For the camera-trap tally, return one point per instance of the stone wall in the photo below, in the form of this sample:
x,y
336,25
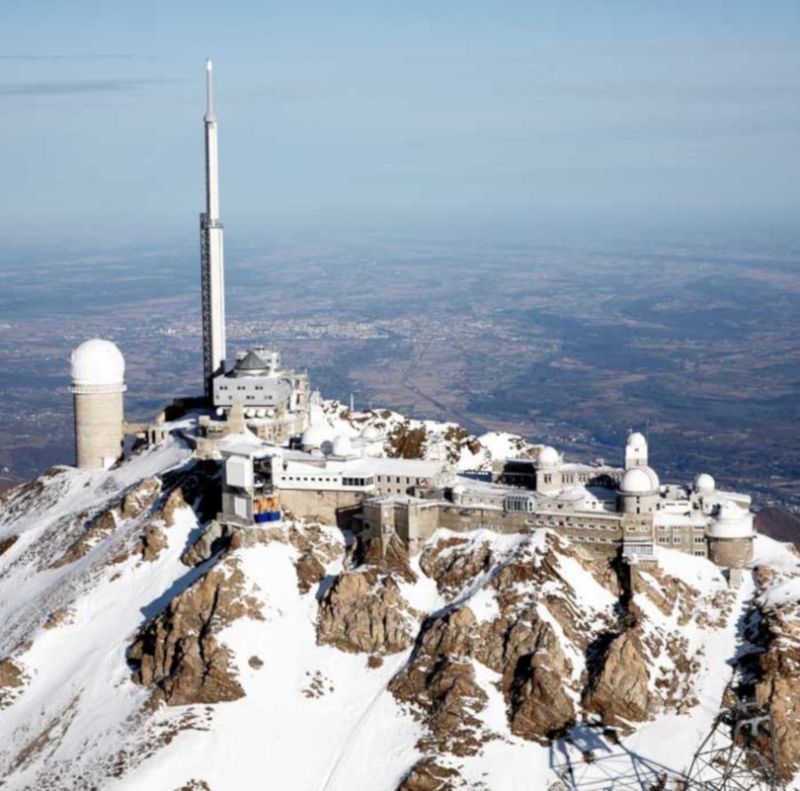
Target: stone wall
x,y
730,552
331,507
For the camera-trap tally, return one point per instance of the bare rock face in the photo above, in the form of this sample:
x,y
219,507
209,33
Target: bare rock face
x,y
539,706
427,775
454,562
393,559
215,538
619,691
178,652
140,498
309,571
151,542
362,611
6,543
98,528
439,683
779,686
11,679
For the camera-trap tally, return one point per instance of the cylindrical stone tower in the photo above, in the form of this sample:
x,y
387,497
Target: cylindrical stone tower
x,y
98,374
730,536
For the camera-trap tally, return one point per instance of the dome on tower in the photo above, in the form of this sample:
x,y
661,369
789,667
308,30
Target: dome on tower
x,y
704,483
548,457
731,521
636,438
639,480
97,362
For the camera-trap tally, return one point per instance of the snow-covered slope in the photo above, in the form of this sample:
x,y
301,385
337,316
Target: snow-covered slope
x,y
141,647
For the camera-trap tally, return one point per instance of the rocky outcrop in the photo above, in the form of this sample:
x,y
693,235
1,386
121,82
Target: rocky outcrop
x,y
178,653
455,562
11,680
427,775
140,498
363,611
214,539
98,528
310,571
619,691
439,683
778,684
389,558
6,543
539,707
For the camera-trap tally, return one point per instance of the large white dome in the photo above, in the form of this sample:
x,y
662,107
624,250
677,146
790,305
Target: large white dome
x,y
639,480
637,438
97,362
342,446
704,484
548,457
315,435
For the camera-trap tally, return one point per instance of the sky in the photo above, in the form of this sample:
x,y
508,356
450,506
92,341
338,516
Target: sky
x,y
416,118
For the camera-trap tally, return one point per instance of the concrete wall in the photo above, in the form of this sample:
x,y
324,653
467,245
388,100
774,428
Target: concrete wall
x,y
98,429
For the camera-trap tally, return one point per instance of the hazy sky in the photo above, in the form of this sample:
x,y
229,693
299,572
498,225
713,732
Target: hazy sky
x,y
409,117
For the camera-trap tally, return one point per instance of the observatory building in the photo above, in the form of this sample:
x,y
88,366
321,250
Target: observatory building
x,y
98,384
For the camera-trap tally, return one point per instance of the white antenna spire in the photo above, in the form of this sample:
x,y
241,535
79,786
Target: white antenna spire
x,y
209,92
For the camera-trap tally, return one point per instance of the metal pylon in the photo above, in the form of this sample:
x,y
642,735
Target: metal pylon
x,y
739,752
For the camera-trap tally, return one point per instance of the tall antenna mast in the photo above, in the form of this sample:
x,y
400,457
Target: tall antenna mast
x,y
212,260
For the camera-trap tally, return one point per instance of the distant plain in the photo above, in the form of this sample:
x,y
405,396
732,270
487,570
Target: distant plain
x,y
698,345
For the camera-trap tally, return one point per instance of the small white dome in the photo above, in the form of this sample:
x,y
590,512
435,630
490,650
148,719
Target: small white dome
x,y
342,446
97,362
371,433
704,484
458,489
639,480
548,457
315,435
637,438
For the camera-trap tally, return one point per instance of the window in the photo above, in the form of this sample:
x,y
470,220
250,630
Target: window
x,y
699,539
699,553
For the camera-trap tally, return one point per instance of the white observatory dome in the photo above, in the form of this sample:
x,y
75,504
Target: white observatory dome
x,y
731,522
704,484
548,457
315,435
342,446
639,480
458,489
636,438
97,362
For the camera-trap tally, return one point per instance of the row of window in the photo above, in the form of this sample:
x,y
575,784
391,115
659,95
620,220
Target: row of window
x,y
662,528
328,479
